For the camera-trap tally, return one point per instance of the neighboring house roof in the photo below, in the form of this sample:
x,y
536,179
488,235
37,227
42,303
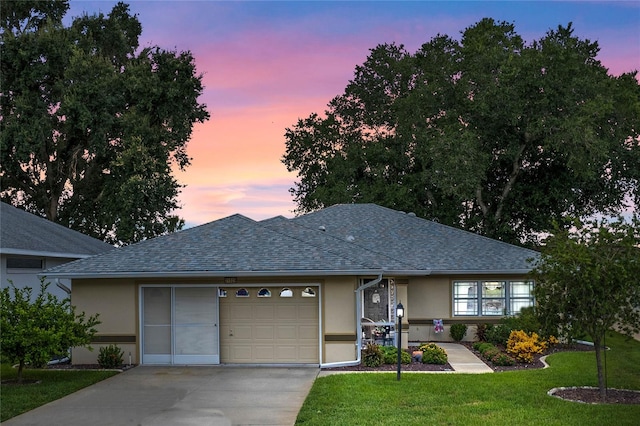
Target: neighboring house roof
x,y
23,233
355,239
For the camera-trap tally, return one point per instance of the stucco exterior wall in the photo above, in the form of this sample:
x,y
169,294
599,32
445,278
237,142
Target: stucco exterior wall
x,y
339,319
117,303
431,298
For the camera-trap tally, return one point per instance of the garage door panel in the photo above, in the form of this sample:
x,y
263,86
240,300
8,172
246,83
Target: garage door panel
x,y
307,313
282,329
241,353
307,332
263,311
287,332
308,353
263,332
241,311
287,353
287,312
242,331
264,353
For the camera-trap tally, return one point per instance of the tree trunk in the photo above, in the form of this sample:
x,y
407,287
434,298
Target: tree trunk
x,y
20,368
597,342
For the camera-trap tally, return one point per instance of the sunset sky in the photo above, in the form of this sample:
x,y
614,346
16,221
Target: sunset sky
x,y
266,64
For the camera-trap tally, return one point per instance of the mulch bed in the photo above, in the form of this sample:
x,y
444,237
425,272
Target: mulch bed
x,y
590,395
69,366
577,394
414,366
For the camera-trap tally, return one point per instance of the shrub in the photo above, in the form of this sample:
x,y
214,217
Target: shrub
x,y
433,354
498,334
458,331
35,330
502,360
523,345
110,357
372,356
493,354
526,320
390,355
481,332
476,345
482,347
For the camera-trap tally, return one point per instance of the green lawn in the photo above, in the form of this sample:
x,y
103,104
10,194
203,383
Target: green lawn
x,y
54,384
508,398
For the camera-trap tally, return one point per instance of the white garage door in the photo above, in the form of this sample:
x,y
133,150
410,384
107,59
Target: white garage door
x,y
269,325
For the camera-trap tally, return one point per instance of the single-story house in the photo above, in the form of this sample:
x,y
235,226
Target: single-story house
x,y
307,290
29,244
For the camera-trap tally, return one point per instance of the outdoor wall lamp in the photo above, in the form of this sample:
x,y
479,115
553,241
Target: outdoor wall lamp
x,y
400,314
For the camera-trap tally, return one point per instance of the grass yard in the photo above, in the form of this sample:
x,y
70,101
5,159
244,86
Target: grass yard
x,y
507,398
54,384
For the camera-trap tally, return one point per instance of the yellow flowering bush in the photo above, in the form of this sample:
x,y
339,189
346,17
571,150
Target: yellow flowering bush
x,y
523,346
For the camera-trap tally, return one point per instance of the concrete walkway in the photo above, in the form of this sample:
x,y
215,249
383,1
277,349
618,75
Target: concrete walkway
x,y
463,360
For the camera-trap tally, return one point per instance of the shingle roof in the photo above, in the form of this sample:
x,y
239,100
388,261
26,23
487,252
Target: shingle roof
x,y
355,239
27,234
232,245
425,245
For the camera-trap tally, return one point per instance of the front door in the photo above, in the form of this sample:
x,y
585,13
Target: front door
x,y
180,325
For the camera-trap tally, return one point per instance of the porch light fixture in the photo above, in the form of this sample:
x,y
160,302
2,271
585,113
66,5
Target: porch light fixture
x,y
400,314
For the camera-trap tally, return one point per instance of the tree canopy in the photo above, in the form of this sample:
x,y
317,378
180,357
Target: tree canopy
x,y
588,281
486,133
90,123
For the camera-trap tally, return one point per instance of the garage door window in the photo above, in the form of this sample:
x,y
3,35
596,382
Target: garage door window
x,y
242,292
264,292
286,292
308,292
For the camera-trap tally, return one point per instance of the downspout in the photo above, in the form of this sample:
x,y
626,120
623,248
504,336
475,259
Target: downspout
x,y
63,287
358,326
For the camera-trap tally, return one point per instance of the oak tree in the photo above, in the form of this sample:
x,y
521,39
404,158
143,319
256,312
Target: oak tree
x,y
91,124
486,133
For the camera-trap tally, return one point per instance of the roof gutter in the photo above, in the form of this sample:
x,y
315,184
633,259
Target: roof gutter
x,y
208,274
480,272
65,255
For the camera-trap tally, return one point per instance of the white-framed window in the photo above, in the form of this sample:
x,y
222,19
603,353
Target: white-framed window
x,y
491,297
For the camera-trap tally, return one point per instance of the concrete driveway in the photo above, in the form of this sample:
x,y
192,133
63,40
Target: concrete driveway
x,y
163,396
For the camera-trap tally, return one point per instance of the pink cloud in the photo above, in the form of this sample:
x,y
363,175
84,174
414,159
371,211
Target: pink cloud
x,y
258,201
